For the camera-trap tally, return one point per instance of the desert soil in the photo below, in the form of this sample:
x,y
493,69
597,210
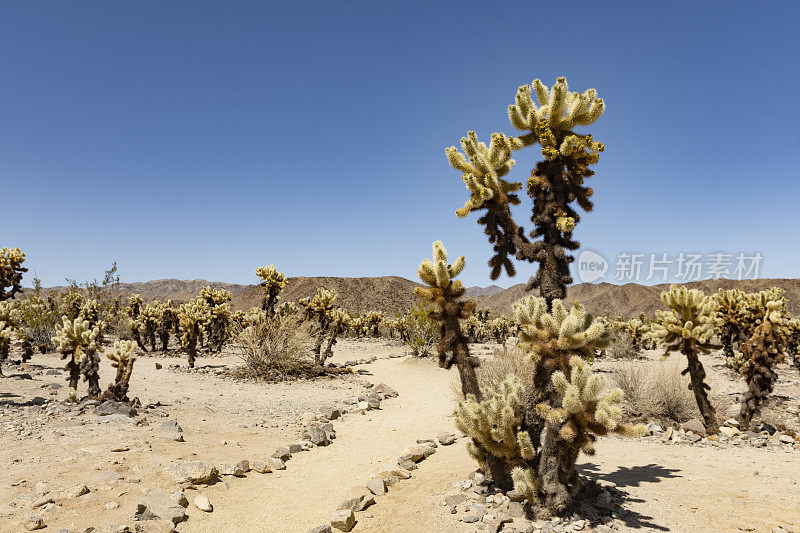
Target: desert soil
x,y
669,487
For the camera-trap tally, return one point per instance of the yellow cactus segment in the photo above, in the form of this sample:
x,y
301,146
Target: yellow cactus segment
x,y
270,277
558,106
495,423
440,274
122,354
527,483
74,337
483,168
690,317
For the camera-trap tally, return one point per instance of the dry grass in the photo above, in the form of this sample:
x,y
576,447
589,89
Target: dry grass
x,y
280,346
507,360
655,391
623,347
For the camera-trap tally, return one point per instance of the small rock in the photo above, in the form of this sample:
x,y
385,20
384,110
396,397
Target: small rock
x,y
282,453
295,447
276,464
76,491
111,505
120,448
33,522
786,439
332,414
262,467
171,425
158,504
343,520
110,407
694,426
326,528
377,486
202,503
446,439
192,471
729,431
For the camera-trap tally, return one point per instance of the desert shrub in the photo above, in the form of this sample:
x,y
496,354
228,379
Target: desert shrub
x,y
655,392
38,320
276,346
422,330
623,347
509,360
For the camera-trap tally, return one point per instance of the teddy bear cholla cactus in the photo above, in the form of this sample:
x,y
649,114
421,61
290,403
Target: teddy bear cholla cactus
x,y
221,315
318,308
11,271
760,355
688,326
340,320
76,340
444,291
554,185
272,283
563,416
122,359
193,319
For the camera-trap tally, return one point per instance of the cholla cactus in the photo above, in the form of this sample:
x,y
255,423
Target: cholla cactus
x,y
554,338
134,310
554,185
730,307
340,320
761,354
474,328
318,308
168,322
495,424
687,326
501,327
286,309
220,309
148,322
373,320
636,328
122,359
444,291
8,328
76,340
193,319
11,271
272,284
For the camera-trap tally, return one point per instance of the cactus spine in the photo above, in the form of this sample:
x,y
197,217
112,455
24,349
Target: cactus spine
x,y
272,284
687,326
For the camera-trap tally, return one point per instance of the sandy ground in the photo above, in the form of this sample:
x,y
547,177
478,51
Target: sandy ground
x,y
669,487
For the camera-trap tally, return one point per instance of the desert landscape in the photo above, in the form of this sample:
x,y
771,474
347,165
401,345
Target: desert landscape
x,y
396,267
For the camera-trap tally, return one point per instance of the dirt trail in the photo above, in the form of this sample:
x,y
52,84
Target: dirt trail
x,y
670,487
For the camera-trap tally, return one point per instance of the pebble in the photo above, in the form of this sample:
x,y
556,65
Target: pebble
x,y
202,503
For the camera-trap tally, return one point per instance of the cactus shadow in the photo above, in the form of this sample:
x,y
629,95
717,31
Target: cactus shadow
x,y
632,476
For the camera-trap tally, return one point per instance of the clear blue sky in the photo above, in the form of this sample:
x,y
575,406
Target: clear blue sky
x,y
196,139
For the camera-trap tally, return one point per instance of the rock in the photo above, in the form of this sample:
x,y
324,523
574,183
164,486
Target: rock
x,y
111,505
316,435
729,431
262,467
455,499
515,496
76,492
385,390
276,464
173,436
374,403
693,437
202,503
377,486
159,366
119,448
357,499
33,522
110,407
446,439
171,425
192,472
363,406
427,442
282,453
307,418
786,439
668,434
769,428
343,520
295,447
654,428
694,426
321,529
413,453
180,498
408,464
41,502
158,504
732,422
154,526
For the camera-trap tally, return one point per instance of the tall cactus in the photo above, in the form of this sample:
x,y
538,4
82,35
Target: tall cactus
x,y
687,326
318,308
9,314
11,271
221,314
76,340
761,353
340,320
445,292
272,284
168,322
193,319
555,183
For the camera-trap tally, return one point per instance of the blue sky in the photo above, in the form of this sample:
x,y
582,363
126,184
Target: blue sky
x,y
203,139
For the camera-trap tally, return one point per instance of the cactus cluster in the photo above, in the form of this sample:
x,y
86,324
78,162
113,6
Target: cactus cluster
x,y
221,316
11,271
8,328
272,284
318,309
122,358
193,318
76,340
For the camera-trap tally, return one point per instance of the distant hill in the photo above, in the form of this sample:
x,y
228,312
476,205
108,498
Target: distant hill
x,y
482,292
395,294
386,293
631,299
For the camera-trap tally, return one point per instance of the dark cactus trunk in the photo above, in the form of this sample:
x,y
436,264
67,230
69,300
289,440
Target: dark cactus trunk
x,y
697,376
